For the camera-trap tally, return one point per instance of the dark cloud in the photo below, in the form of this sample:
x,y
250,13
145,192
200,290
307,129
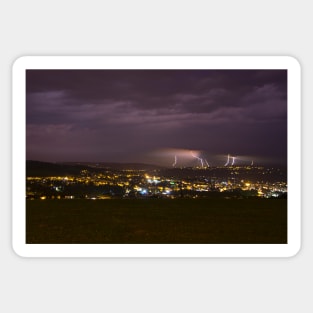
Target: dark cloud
x,y
122,115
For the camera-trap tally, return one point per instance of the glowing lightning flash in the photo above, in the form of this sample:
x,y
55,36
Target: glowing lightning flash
x,y
175,162
227,161
233,161
207,164
201,161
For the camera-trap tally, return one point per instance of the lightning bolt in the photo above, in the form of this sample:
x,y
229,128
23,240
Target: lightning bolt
x,y
233,162
175,161
201,160
227,161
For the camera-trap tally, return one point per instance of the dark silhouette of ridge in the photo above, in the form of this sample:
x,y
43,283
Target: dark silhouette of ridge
x,y
39,168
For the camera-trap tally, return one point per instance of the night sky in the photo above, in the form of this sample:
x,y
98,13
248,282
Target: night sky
x,y
151,116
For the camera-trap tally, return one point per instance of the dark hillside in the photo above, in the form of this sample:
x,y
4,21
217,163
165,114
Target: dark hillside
x,y
42,169
261,221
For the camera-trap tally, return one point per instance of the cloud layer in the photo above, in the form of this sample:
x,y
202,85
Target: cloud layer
x,y
123,115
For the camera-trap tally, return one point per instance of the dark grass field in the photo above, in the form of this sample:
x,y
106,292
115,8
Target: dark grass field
x,y
213,221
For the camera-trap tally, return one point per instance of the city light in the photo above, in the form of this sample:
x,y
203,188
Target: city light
x,y
230,181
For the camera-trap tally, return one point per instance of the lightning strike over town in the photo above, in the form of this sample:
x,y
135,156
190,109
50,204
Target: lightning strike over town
x,y
156,156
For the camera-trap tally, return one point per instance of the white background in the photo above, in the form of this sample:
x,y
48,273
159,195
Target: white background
x,y
155,28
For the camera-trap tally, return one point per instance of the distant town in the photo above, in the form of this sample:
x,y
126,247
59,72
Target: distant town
x,y
134,181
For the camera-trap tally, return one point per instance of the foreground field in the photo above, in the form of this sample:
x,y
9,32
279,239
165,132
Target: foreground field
x,y
156,221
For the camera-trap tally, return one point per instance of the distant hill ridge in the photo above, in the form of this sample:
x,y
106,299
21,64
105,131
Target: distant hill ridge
x,y
39,168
